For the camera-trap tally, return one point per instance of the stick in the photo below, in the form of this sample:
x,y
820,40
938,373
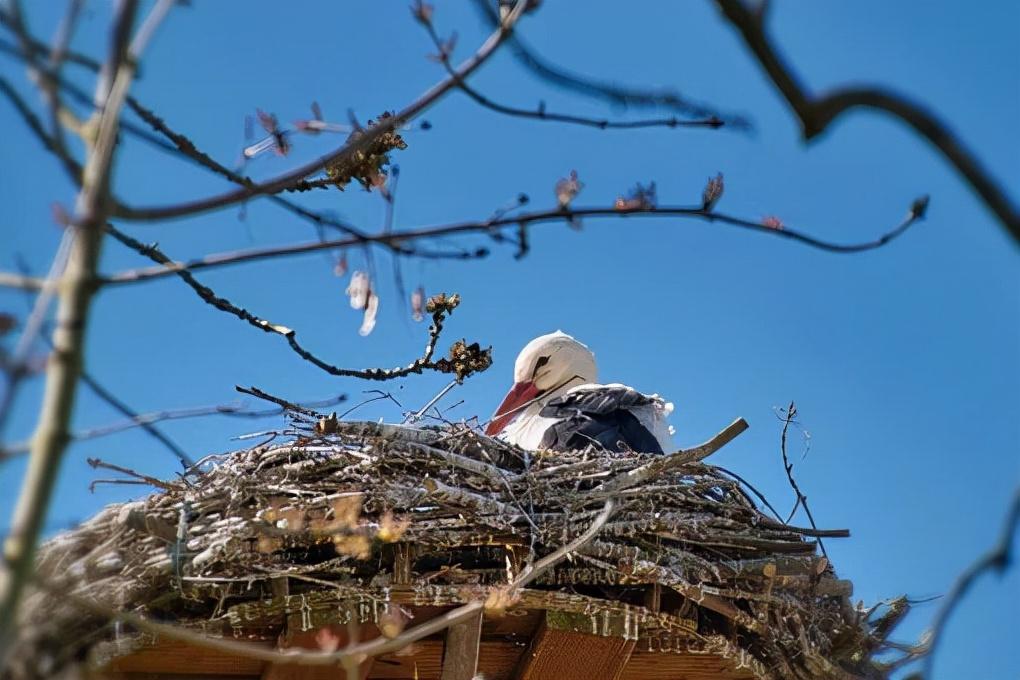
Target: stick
x,y
670,462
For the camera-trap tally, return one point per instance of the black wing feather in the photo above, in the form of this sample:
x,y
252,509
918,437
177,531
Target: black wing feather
x,y
600,416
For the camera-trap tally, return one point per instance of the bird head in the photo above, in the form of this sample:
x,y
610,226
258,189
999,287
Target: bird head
x,y
547,366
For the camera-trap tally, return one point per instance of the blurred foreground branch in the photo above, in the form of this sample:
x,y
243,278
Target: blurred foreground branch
x,y
817,113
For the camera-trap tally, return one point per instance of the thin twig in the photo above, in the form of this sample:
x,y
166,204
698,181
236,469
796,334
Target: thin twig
x,y
35,323
71,166
143,419
112,400
791,414
96,463
616,94
540,113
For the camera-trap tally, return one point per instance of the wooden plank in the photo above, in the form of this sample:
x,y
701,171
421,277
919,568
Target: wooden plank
x,y
423,661
338,634
460,653
644,665
560,652
171,657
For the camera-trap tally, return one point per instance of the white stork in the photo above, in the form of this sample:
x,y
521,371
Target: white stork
x,y
555,404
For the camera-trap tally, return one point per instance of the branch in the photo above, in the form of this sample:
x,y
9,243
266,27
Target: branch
x,y
555,215
541,114
186,148
615,94
998,559
46,77
663,464
817,113
51,435
110,398
40,49
144,419
477,362
71,166
35,324
343,154
791,414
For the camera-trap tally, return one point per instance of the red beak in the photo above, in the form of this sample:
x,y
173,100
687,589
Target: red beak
x,y
519,395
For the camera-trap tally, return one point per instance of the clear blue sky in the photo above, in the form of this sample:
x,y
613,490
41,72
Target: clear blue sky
x,y
904,361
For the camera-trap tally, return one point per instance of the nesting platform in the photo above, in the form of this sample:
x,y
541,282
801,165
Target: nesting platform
x,y
348,532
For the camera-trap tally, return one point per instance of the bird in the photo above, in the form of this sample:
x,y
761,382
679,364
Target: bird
x,y
555,404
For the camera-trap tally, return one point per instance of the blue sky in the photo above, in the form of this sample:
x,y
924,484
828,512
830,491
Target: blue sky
x,y
904,361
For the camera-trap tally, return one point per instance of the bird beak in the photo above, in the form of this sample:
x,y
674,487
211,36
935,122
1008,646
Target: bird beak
x,y
519,395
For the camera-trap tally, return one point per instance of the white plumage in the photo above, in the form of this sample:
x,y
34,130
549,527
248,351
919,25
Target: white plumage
x,y
555,403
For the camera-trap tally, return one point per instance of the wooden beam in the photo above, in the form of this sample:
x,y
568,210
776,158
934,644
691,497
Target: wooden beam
x,y
460,653
179,658
559,651
338,634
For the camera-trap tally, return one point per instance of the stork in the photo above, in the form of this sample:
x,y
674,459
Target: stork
x,y
555,404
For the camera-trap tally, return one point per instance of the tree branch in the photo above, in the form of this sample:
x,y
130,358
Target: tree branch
x,y
345,152
791,414
489,226
51,436
998,559
615,94
144,419
710,121
817,113
423,363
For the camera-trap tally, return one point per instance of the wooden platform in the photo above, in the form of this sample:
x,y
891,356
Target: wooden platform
x,y
520,645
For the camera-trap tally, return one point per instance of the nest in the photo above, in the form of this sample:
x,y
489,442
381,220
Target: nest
x,y
363,517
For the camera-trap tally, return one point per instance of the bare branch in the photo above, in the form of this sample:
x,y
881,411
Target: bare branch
x,y
817,113
423,363
51,436
663,464
345,152
613,93
71,166
541,114
189,150
110,398
490,226
998,559
234,410
38,48
19,359
789,417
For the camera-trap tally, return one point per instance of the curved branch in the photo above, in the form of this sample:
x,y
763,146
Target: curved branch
x,y
817,113
614,93
997,559
710,121
426,362
490,226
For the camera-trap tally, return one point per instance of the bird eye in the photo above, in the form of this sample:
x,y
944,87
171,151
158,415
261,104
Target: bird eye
x,y
542,361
